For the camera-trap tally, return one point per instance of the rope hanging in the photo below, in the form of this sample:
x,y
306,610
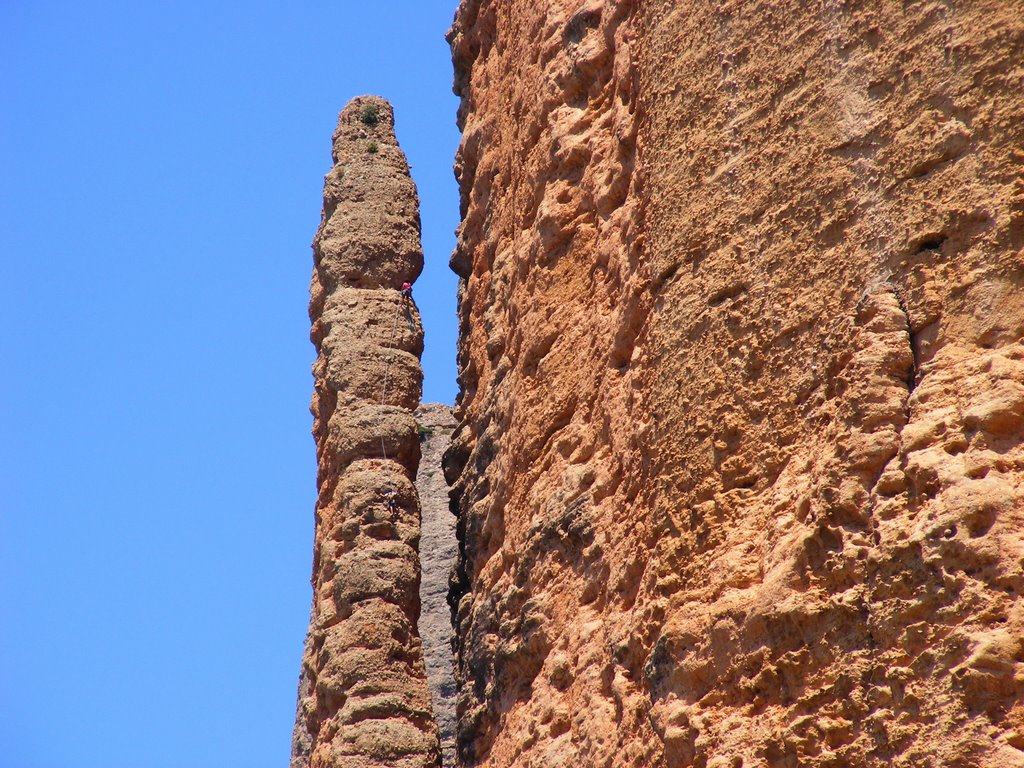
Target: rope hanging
x,y
387,372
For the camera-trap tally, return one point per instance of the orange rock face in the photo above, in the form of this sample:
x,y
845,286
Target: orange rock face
x,y
363,698
739,464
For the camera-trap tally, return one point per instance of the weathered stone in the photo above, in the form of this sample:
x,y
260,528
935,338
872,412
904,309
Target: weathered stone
x,y
370,317
438,552
363,698
369,236
739,465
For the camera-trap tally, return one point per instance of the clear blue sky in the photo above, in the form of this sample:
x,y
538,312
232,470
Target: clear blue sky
x,y
160,184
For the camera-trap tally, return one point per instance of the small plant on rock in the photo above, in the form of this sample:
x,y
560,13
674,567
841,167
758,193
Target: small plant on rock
x,y
372,148
370,114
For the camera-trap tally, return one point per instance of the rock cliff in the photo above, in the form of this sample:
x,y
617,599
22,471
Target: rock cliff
x,y
363,698
437,559
738,468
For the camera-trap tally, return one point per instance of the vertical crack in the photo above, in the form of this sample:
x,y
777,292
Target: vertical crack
x,y
915,351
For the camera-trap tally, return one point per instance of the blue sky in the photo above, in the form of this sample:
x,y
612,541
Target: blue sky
x,y
160,184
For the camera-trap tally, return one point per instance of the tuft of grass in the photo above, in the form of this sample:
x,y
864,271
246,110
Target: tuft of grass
x,y
370,114
372,148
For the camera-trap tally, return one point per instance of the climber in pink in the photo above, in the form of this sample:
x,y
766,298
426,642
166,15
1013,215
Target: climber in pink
x,y
406,291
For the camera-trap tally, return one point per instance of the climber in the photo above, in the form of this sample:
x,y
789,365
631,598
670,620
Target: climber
x,y
406,292
391,499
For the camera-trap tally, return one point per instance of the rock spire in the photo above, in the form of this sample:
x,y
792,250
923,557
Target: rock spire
x,y
363,698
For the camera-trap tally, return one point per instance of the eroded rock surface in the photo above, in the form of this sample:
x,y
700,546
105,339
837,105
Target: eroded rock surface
x,y
438,552
363,698
739,467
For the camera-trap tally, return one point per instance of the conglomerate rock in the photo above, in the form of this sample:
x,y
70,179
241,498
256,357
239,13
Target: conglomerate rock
x,y
438,552
363,698
739,468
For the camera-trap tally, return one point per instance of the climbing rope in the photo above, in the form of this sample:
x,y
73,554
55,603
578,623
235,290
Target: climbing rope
x,y
387,372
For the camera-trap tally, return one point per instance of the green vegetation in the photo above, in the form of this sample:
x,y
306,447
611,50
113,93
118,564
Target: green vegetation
x,y
424,432
372,148
370,114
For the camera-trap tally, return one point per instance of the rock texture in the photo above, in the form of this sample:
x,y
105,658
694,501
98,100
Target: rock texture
x,y
437,560
363,698
739,469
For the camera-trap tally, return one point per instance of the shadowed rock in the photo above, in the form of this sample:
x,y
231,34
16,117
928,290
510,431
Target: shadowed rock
x,y
438,553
